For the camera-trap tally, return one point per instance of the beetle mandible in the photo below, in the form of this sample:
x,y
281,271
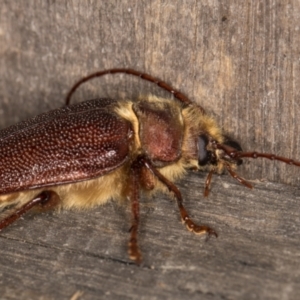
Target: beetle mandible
x,y
67,157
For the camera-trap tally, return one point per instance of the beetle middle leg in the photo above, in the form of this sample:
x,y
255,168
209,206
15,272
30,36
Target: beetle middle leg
x,y
44,200
133,194
190,224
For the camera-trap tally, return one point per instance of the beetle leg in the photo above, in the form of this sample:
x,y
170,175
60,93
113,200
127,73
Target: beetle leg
x,y
45,200
207,182
191,226
133,251
238,178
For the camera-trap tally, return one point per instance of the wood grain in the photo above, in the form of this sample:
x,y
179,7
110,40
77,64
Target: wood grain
x,y
240,61
256,256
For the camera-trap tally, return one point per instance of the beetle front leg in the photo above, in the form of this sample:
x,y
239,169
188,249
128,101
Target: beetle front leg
x,y
44,200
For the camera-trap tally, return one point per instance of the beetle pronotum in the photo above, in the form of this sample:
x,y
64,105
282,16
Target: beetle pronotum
x,y
68,157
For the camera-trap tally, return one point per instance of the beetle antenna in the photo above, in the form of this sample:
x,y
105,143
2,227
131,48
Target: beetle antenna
x,y
236,155
268,156
178,95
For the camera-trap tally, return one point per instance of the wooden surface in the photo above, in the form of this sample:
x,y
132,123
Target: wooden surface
x,y
256,256
240,61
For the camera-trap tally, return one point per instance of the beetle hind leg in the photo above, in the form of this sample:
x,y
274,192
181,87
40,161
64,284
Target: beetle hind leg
x,y
44,200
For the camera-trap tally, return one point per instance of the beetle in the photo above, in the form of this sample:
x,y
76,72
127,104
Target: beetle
x,y
85,154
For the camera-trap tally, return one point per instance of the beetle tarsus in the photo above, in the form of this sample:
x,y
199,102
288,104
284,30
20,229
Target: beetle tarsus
x,y
133,251
199,229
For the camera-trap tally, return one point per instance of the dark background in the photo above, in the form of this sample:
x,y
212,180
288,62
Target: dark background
x,y
240,60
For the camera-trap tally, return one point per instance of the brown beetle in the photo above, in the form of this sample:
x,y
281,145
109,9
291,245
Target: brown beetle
x,y
67,157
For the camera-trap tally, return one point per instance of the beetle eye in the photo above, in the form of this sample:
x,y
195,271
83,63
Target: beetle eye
x,y
203,154
233,144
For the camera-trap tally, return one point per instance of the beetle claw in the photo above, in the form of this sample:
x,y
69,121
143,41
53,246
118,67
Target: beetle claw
x,y
134,252
199,229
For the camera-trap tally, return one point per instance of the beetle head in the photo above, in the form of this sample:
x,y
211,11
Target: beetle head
x,y
219,156
210,152
228,155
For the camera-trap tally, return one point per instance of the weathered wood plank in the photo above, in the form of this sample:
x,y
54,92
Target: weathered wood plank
x,y
51,256
238,59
